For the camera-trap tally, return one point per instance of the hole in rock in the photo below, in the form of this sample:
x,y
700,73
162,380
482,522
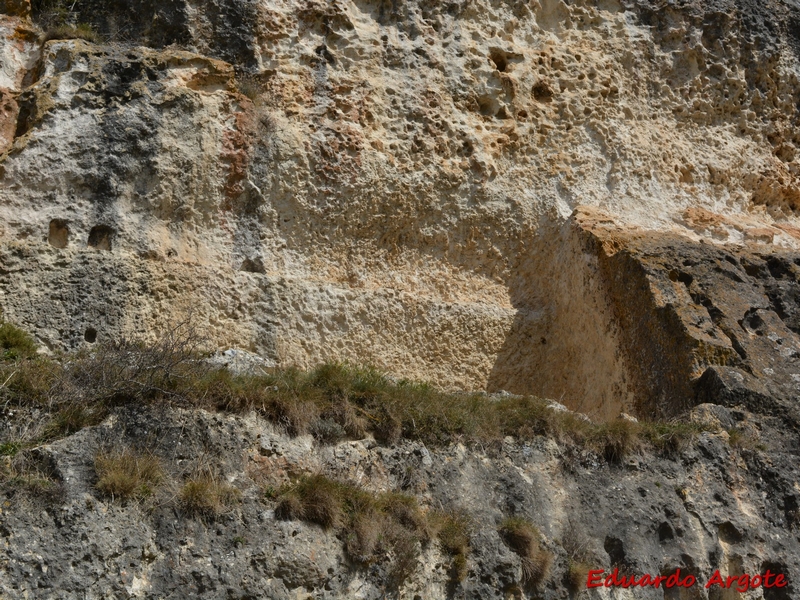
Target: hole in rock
x,y
252,266
616,552
90,335
681,277
58,237
778,268
729,534
542,92
100,237
775,593
665,532
488,105
503,113
499,59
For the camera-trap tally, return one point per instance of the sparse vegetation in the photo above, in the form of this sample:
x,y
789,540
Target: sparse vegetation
x,y
373,526
60,20
9,449
577,574
523,537
78,31
250,86
453,529
22,473
125,474
15,344
71,419
334,401
576,544
205,495
743,439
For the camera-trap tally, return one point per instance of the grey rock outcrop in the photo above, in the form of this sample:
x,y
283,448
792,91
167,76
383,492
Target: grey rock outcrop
x,y
708,507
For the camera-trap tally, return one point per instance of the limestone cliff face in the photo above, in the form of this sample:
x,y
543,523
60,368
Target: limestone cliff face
x,y
589,200
423,186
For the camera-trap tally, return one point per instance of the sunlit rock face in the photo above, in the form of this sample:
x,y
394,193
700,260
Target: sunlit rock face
x,y
539,197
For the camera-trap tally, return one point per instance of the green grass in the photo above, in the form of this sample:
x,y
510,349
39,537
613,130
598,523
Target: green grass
x,y
10,448
15,344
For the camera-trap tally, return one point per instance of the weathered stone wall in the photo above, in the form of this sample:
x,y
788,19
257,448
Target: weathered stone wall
x,y
397,187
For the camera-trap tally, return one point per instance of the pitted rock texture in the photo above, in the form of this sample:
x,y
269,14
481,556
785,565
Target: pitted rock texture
x,y
708,507
395,186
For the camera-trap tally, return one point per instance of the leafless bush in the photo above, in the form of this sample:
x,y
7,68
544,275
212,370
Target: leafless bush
x,y
127,370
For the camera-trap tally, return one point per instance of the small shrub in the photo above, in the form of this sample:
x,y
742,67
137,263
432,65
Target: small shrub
x,y
203,495
523,538
127,474
15,344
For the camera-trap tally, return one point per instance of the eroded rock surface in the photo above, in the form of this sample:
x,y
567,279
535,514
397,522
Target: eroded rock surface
x,y
395,185
708,507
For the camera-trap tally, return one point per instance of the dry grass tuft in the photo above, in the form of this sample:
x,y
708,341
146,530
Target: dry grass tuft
x,y
744,439
79,31
71,419
453,529
204,495
577,545
24,474
125,474
577,575
250,86
374,527
617,439
524,539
